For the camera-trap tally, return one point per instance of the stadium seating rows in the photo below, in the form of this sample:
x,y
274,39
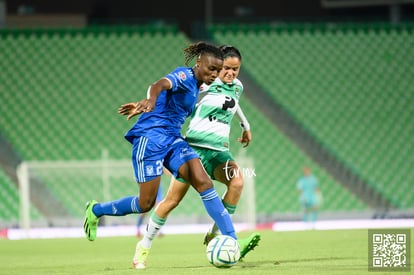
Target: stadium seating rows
x,y
351,85
62,89
9,208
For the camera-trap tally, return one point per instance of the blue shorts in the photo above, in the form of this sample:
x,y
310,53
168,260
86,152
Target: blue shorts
x,y
150,156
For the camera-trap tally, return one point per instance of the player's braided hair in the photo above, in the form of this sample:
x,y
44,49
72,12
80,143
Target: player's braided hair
x,y
230,51
200,48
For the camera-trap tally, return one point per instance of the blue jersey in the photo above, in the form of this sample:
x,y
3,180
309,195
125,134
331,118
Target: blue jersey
x,y
172,107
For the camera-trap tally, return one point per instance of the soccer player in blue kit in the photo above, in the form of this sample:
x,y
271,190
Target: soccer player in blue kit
x,y
157,142
210,139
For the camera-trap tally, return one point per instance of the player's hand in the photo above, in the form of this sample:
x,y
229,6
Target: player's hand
x,y
246,138
127,108
132,109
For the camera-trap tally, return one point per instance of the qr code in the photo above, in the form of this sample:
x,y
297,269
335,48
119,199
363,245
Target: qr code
x,y
389,250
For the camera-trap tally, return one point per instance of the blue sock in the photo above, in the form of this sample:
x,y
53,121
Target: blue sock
x,y
217,212
140,220
121,207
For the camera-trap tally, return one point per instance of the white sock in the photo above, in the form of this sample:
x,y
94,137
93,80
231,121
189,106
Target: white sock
x,y
150,233
214,229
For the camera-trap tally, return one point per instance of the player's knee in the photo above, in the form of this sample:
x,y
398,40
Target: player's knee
x,y
236,184
202,184
146,205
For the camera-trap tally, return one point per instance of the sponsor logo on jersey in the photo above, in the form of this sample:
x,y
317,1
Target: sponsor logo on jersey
x,y
182,76
237,91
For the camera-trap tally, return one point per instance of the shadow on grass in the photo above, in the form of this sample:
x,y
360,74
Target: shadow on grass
x,y
315,259
281,262
275,263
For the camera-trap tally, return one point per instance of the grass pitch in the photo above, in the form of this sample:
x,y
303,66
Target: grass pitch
x,y
299,252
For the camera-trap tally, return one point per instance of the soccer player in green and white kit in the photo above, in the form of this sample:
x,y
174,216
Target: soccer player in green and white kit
x,y
208,134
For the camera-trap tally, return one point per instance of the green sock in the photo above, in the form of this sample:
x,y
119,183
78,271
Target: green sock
x,y
230,207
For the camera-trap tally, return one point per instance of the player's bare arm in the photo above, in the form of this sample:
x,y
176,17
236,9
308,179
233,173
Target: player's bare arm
x,y
145,105
246,134
245,138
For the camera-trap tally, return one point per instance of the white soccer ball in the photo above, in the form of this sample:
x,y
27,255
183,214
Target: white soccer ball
x,y
223,251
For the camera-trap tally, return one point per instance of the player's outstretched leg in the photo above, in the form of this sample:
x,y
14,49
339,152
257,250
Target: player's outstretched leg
x,y
208,237
140,258
248,244
90,224
214,231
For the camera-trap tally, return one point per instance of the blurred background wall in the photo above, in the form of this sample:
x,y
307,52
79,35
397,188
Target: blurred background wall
x,y
192,16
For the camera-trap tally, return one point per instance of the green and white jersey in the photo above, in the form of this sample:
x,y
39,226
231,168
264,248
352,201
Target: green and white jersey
x,y
210,122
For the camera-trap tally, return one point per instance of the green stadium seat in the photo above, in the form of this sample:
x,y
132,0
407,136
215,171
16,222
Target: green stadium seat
x,y
338,82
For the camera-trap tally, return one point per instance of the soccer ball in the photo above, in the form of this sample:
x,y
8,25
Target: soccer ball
x,y
223,251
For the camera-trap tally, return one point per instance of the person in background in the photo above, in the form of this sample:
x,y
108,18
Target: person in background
x,y
309,196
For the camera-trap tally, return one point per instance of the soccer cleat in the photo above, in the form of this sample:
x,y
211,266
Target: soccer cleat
x,y
91,221
248,244
208,237
140,258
